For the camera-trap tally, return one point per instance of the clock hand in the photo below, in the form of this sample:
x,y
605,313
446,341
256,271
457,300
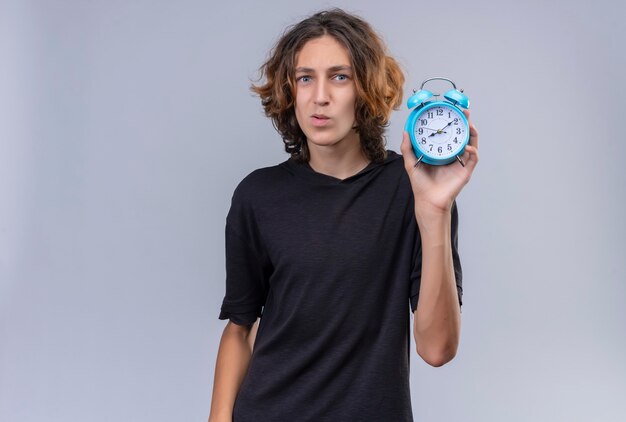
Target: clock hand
x,y
446,125
439,131
434,131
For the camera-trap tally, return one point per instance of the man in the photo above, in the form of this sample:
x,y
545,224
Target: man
x,y
329,246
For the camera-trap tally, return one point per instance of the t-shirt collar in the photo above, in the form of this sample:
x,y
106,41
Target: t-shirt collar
x,y
306,171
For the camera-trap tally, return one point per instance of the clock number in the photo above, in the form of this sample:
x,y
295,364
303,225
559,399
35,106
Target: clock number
x,y
440,112
431,147
458,130
423,140
456,120
456,141
440,150
449,115
430,114
420,131
449,147
423,122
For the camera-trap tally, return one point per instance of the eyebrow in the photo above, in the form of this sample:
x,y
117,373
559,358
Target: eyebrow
x,y
330,69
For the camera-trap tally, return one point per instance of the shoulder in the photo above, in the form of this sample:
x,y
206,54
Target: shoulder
x,y
395,166
394,162
256,184
398,164
261,177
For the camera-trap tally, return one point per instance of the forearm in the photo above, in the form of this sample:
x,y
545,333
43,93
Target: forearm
x,y
438,314
233,358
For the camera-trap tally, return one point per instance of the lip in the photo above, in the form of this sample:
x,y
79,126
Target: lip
x,y
319,120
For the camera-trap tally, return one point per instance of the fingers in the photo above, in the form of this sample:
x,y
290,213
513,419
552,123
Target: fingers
x,y
473,131
473,140
470,154
470,157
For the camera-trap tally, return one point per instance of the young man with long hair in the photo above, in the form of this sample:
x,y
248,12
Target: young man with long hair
x,y
334,247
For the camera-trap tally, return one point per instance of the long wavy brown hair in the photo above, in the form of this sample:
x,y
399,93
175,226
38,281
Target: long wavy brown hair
x,y
377,76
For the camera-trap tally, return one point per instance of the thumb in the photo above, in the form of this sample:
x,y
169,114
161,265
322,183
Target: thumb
x,y
406,148
408,155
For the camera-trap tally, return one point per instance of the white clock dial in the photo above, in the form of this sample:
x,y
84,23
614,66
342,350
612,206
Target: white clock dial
x,y
440,131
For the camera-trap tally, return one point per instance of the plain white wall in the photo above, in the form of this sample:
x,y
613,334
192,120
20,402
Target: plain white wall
x,y
125,126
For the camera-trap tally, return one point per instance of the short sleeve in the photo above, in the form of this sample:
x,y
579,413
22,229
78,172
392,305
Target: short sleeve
x,y
416,273
247,267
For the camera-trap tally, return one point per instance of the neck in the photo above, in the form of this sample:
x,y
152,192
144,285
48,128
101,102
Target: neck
x,y
341,160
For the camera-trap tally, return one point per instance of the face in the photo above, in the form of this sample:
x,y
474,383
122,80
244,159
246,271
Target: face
x,y
325,93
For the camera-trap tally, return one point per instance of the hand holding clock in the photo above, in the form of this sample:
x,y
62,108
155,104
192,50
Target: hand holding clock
x,y
436,186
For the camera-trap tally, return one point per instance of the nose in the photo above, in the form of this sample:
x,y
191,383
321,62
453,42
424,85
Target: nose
x,y
322,95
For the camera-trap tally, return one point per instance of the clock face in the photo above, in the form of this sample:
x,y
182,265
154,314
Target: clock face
x,y
440,131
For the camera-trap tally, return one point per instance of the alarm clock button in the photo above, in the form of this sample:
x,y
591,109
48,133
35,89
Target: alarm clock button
x,y
457,97
419,98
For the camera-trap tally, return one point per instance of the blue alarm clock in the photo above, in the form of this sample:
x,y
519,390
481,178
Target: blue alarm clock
x,y
438,129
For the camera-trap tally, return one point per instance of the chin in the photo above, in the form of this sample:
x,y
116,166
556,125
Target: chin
x,y
322,142
326,140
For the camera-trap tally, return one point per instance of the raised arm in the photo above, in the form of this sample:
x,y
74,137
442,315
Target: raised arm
x,y
437,322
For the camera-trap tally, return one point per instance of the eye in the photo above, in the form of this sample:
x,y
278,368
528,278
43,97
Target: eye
x,y
341,77
303,79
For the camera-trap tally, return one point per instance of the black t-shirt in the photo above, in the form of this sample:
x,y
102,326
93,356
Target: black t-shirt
x,y
332,267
